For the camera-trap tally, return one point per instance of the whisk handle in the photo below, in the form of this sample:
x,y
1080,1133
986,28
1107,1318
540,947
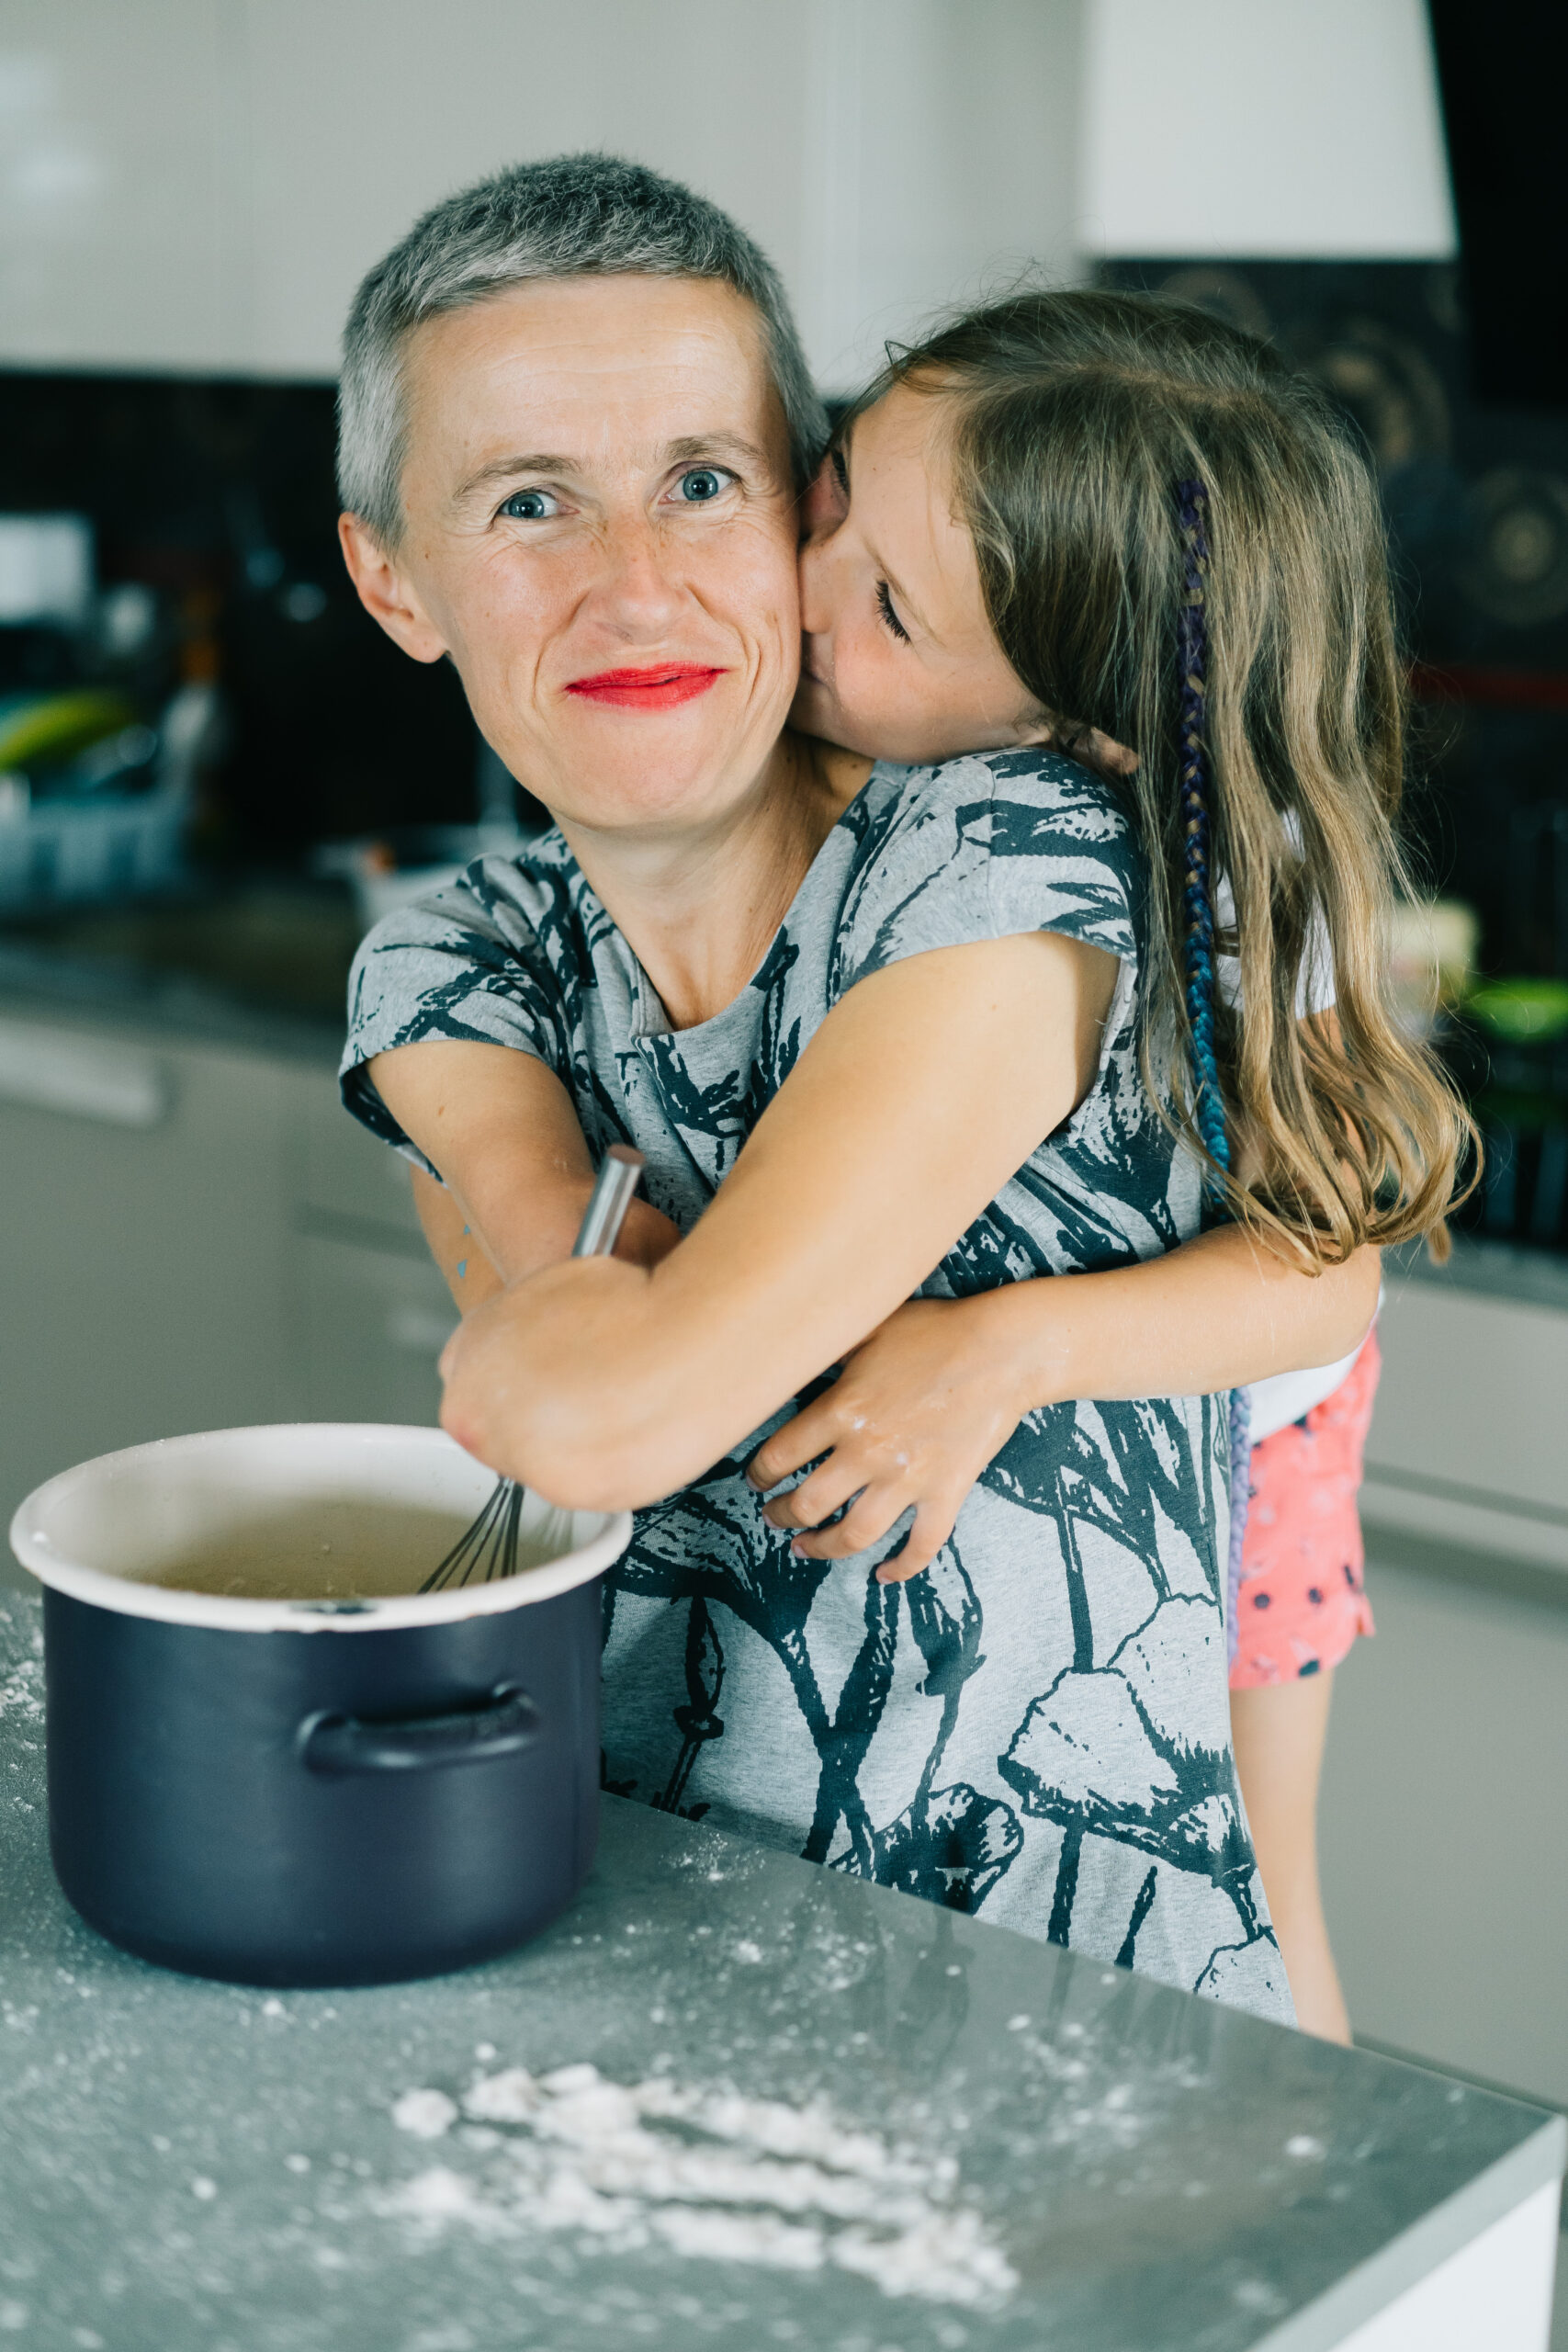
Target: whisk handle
x,y
617,1179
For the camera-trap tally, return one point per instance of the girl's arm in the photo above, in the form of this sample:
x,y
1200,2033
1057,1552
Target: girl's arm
x,y
928,1400
928,1085
931,1397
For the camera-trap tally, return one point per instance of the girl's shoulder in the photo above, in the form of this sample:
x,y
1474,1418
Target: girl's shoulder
x,y
1032,790
985,846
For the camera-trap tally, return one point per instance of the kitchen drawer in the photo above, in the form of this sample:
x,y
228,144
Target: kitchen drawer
x,y
143,1263
1469,1443
1442,1829
373,1323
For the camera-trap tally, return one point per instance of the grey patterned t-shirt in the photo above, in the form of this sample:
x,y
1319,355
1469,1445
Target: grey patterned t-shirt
x,y
1037,1727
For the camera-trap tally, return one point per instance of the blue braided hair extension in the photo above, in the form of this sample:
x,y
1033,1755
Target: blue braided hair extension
x,y
1198,960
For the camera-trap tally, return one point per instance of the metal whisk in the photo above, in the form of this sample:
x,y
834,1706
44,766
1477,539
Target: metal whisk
x,y
489,1548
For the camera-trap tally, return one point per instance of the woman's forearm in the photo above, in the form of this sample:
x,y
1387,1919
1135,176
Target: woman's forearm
x,y
502,1129
469,1274
1220,1311
517,1174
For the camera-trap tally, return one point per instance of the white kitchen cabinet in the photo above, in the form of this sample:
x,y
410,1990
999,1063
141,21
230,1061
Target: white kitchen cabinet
x,y
341,1170
122,186
200,184
1444,1830
373,1314
1469,1444
196,1235
1444,1833
145,1262
375,1320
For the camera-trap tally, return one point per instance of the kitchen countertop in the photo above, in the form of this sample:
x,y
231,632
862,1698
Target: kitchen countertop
x,y
262,964
801,2110
1493,1269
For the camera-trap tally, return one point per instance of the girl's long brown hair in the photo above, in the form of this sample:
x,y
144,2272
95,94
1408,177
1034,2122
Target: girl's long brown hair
x,y
1076,417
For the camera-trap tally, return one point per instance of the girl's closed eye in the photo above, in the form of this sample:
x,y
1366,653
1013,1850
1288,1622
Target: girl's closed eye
x,y
884,606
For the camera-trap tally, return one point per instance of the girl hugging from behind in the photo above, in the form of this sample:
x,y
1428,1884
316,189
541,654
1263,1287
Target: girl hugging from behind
x,y
1084,527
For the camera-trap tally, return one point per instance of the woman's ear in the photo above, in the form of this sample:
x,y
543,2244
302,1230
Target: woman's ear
x,y
386,592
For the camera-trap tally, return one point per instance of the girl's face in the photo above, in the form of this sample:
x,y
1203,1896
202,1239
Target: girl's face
x,y
898,659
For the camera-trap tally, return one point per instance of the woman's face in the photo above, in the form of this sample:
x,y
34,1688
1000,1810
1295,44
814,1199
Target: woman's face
x,y
898,659
601,531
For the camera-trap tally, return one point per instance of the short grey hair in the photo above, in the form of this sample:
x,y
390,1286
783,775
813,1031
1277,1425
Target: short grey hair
x,y
575,216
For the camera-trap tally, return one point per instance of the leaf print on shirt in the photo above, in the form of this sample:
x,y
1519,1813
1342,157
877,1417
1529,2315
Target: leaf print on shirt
x,y
949,1844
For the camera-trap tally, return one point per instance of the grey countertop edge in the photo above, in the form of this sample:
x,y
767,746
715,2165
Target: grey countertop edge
x,y
35,985
1418,2251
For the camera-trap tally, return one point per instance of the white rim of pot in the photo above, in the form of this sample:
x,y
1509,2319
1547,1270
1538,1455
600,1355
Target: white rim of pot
x,y
128,1597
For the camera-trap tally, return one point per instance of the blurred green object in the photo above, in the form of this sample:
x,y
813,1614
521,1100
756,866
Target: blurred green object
x,y
55,726
1523,1011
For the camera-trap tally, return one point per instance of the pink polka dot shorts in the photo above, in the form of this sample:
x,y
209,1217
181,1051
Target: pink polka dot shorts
x,y
1302,1602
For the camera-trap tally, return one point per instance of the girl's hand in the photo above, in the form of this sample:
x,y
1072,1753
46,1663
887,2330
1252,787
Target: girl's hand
x,y
914,1416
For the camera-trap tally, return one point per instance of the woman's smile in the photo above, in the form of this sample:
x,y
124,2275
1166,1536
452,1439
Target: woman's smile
x,y
659,688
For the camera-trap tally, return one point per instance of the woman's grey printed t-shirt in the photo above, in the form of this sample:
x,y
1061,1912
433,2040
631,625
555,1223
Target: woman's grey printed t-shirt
x,y
1035,1729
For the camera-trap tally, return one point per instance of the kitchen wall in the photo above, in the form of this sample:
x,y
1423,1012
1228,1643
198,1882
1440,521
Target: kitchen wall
x,y
200,183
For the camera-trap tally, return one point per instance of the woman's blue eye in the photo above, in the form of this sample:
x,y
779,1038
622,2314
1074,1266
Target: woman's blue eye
x,y
529,506
699,485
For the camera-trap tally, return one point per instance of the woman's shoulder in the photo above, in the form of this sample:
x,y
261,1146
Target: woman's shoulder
x,y
538,879
500,954
528,903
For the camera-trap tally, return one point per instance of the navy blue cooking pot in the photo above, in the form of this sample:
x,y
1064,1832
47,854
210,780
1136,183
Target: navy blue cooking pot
x,y
309,1791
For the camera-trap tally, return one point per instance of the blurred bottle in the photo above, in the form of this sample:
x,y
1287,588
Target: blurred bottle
x,y
1432,947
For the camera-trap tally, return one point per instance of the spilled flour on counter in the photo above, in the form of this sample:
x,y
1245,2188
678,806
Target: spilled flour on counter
x,y
711,2175
21,1684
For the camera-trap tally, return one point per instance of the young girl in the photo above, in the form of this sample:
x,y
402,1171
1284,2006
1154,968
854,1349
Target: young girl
x,y
1301,1602
1041,503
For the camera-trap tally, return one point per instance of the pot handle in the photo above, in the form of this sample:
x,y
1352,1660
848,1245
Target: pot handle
x,y
507,1723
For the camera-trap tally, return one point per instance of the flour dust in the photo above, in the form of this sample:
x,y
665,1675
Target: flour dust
x,y
709,2174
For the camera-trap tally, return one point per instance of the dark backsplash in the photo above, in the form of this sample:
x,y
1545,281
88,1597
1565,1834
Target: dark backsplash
x,y
219,496
1477,502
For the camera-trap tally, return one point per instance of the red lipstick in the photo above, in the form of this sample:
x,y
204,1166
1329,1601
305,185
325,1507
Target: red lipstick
x,y
660,688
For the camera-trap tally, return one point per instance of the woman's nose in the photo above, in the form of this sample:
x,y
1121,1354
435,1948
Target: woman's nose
x,y
637,590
